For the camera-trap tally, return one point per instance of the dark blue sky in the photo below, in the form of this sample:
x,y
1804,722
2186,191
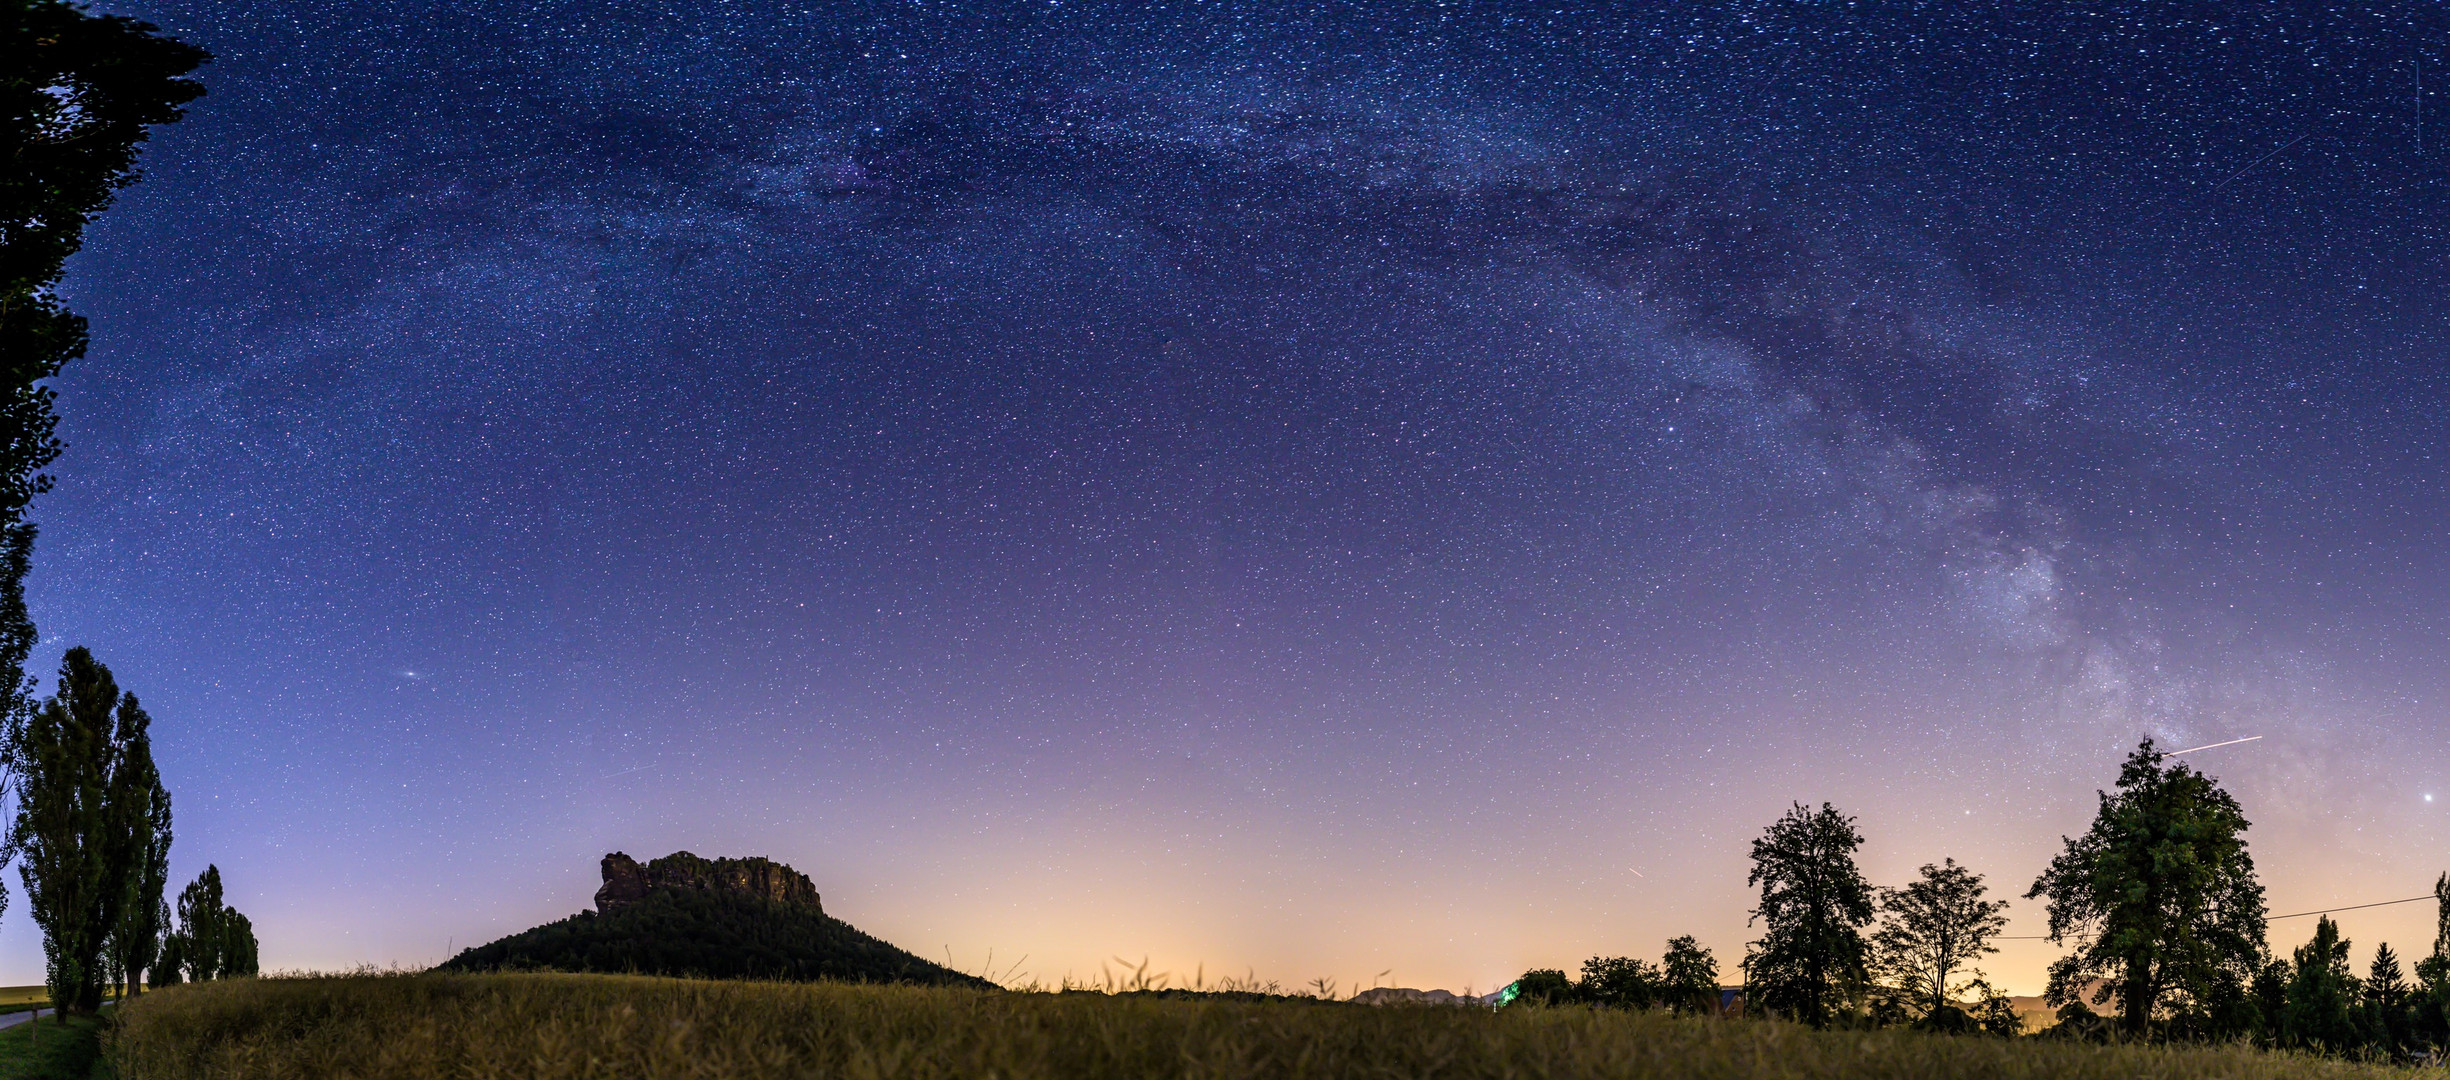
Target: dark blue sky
x,y
1322,490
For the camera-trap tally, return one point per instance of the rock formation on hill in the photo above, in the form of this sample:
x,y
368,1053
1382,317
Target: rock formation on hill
x,y
625,881
1405,995
707,918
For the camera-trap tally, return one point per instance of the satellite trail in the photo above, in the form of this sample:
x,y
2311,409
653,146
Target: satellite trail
x,y
2214,746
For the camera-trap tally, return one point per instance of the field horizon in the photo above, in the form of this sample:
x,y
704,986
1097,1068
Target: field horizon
x,y
547,1025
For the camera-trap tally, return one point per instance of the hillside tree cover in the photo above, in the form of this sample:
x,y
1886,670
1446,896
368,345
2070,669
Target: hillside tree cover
x,y
708,933
1932,928
1811,957
1685,980
1619,982
2161,902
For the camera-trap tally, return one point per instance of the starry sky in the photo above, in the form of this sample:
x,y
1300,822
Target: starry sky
x,y
1377,492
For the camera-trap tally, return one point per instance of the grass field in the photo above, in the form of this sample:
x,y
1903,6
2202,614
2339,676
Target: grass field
x,y
53,1051
551,1027
18,998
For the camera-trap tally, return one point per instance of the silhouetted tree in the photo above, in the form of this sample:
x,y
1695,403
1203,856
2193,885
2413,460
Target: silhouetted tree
x,y
1810,958
2320,993
1992,1012
1688,977
1618,982
170,963
1934,926
2383,1011
213,940
2429,1011
238,959
17,637
79,91
2269,990
2160,897
1543,986
73,827
135,941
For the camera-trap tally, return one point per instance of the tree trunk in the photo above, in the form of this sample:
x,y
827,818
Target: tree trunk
x,y
2136,1000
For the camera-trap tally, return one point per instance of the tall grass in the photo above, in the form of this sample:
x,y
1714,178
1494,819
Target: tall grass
x,y
548,1027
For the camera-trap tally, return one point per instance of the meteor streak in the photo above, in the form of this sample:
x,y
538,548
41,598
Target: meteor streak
x,y
2214,746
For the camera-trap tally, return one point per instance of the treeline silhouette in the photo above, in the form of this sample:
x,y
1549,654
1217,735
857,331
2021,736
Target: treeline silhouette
x,y
708,933
2158,902
91,829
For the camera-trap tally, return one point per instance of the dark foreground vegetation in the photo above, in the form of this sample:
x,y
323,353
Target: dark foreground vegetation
x,y
2158,904
56,1049
708,933
597,1026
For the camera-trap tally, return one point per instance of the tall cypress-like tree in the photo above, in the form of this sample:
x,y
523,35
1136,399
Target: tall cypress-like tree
x,y
78,92
2161,899
17,637
213,940
74,829
1814,903
135,940
201,936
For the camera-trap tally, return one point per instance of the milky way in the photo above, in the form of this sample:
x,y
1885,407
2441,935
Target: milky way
x,y
1322,492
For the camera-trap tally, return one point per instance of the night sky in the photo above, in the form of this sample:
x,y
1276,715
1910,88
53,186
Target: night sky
x,y
1320,492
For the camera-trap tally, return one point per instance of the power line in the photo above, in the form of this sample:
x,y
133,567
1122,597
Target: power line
x,y
2353,907
2267,918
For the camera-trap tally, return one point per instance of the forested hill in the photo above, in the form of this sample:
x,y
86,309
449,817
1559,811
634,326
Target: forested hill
x,y
707,931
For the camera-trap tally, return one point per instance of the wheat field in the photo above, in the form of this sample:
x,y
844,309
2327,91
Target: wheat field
x,y
551,1027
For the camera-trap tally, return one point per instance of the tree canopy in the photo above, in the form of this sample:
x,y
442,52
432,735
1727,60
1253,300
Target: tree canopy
x,y
79,757
2160,899
1811,956
77,93
1933,928
708,933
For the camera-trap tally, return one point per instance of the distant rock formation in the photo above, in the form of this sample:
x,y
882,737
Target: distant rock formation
x,y
712,919
627,882
1404,995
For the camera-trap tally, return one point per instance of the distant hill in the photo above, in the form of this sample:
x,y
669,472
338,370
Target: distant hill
x,y
707,918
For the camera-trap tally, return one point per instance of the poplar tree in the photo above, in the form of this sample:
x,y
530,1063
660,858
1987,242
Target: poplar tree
x,y
135,940
201,934
78,92
213,940
2160,899
74,829
1810,959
